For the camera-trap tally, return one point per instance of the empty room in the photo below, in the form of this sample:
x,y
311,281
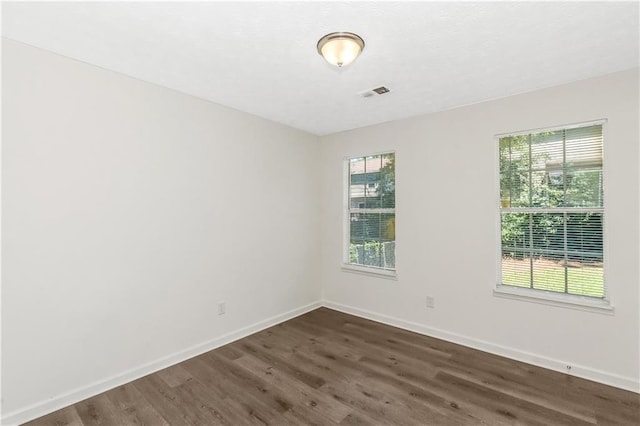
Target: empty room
x,y
320,213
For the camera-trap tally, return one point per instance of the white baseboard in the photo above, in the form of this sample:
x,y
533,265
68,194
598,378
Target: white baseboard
x,y
538,360
44,407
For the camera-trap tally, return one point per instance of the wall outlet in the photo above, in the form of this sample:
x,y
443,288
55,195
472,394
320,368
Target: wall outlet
x,y
431,302
222,308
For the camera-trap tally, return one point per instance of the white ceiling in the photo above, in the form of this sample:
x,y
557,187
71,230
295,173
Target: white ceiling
x,y
261,57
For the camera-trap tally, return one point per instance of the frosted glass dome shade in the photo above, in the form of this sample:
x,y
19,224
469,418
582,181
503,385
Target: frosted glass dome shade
x,y
340,49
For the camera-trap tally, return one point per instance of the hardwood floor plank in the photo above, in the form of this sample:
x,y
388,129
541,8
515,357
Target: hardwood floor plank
x,y
255,385
174,376
251,400
170,404
98,411
330,368
325,363
322,366
301,394
317,367
520,390
389,339
283,364
135,409
355,420
416,402
208,387
612,406
519,410
66,417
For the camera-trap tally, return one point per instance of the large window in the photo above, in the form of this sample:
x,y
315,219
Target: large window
x,y
371,214
552,210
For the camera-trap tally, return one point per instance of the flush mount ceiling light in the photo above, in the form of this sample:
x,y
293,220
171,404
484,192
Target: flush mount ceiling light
x,y
340,49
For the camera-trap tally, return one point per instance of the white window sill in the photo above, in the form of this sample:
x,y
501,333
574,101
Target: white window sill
x,y
371,271
554,299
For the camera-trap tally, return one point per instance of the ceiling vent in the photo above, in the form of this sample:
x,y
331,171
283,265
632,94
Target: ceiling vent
x,y
374,92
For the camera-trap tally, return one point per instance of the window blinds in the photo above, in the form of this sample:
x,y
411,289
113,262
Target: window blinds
x,y
552,210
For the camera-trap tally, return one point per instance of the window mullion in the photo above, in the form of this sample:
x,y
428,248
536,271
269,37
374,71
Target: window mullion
x,y
554,210
566,254
530,174
510,171
531,250
564,215
530,216
364,185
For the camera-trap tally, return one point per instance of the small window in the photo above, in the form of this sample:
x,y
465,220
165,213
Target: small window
x,y
552,211
371,213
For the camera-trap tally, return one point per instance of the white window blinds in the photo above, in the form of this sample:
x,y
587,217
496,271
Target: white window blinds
x,y
552,211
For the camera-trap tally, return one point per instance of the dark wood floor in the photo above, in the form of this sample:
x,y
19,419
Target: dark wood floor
x,y
326,367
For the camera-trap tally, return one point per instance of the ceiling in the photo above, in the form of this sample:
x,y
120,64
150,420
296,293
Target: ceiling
x,y
261,57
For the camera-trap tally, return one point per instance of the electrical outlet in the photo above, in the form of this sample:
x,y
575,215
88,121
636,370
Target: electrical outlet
x,y
431,302
222,308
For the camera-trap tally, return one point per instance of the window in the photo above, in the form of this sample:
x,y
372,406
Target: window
x,y
370,214
552,211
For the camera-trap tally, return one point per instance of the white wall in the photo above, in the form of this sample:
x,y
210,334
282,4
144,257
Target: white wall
x,y
129,211
446,171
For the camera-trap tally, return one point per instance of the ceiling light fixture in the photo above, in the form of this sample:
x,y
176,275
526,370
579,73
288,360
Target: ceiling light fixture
x,y
340,49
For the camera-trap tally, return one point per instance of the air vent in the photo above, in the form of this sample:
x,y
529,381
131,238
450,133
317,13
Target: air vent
x,y
374,92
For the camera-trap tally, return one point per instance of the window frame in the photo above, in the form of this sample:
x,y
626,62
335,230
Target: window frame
x,y
346,223
564,300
